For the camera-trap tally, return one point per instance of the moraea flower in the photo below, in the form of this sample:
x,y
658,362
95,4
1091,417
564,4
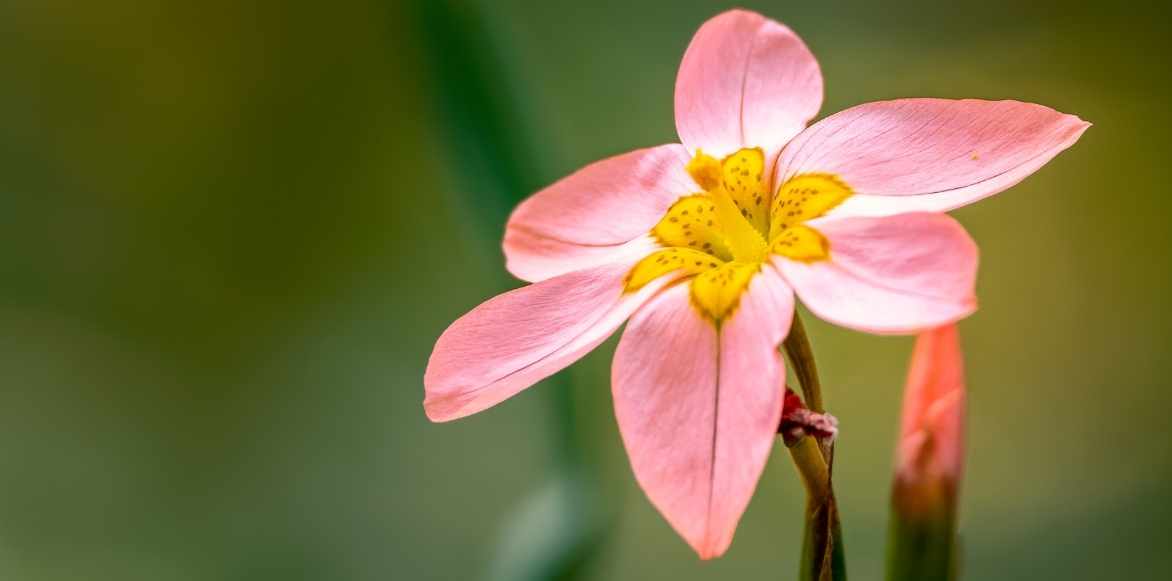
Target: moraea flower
x,y
704,244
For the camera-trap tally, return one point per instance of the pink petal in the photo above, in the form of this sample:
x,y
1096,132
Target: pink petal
x,y
931,443
523,336
896,274
532,257
929,154
745,81
589,217
698,408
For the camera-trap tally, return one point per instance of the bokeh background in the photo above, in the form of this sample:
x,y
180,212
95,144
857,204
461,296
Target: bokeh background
x,y
231,231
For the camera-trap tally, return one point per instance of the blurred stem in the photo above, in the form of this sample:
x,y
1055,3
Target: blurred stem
x,y
480,114
923,543
823,556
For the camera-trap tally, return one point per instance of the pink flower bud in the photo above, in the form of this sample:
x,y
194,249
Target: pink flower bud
x,y
930,455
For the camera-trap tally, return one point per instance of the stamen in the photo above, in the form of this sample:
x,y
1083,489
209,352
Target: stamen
x,y
705,170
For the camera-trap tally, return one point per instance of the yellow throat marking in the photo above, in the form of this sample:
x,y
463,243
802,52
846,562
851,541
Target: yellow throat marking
x,y
722,235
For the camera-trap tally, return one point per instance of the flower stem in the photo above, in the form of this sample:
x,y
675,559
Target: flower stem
x,y
807,457
823,556
922,535
801,357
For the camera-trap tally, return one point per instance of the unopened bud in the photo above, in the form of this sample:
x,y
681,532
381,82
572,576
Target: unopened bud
x,y
931,440
929,461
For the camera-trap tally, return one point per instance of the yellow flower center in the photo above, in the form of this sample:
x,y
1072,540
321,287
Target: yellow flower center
x,y
722,235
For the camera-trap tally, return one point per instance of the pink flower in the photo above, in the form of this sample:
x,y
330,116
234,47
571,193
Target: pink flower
x,y
929,459
704,244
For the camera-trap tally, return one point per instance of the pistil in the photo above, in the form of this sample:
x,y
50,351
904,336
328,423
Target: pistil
x,y
745,242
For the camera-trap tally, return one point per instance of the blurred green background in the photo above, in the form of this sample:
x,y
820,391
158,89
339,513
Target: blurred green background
x,y
231,232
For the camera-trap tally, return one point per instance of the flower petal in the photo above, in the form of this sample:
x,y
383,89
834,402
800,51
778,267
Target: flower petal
x,y
525,335
699,408
533,258
589,217
896,274
745,81
929,154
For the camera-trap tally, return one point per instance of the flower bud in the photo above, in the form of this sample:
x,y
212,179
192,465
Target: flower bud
x,y
929,460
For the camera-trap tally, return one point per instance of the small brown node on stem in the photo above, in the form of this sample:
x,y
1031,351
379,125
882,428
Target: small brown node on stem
x,y
798,421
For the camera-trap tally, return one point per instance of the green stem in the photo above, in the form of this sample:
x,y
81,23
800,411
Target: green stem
x,y
823,556
801,357
923,544
807,457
